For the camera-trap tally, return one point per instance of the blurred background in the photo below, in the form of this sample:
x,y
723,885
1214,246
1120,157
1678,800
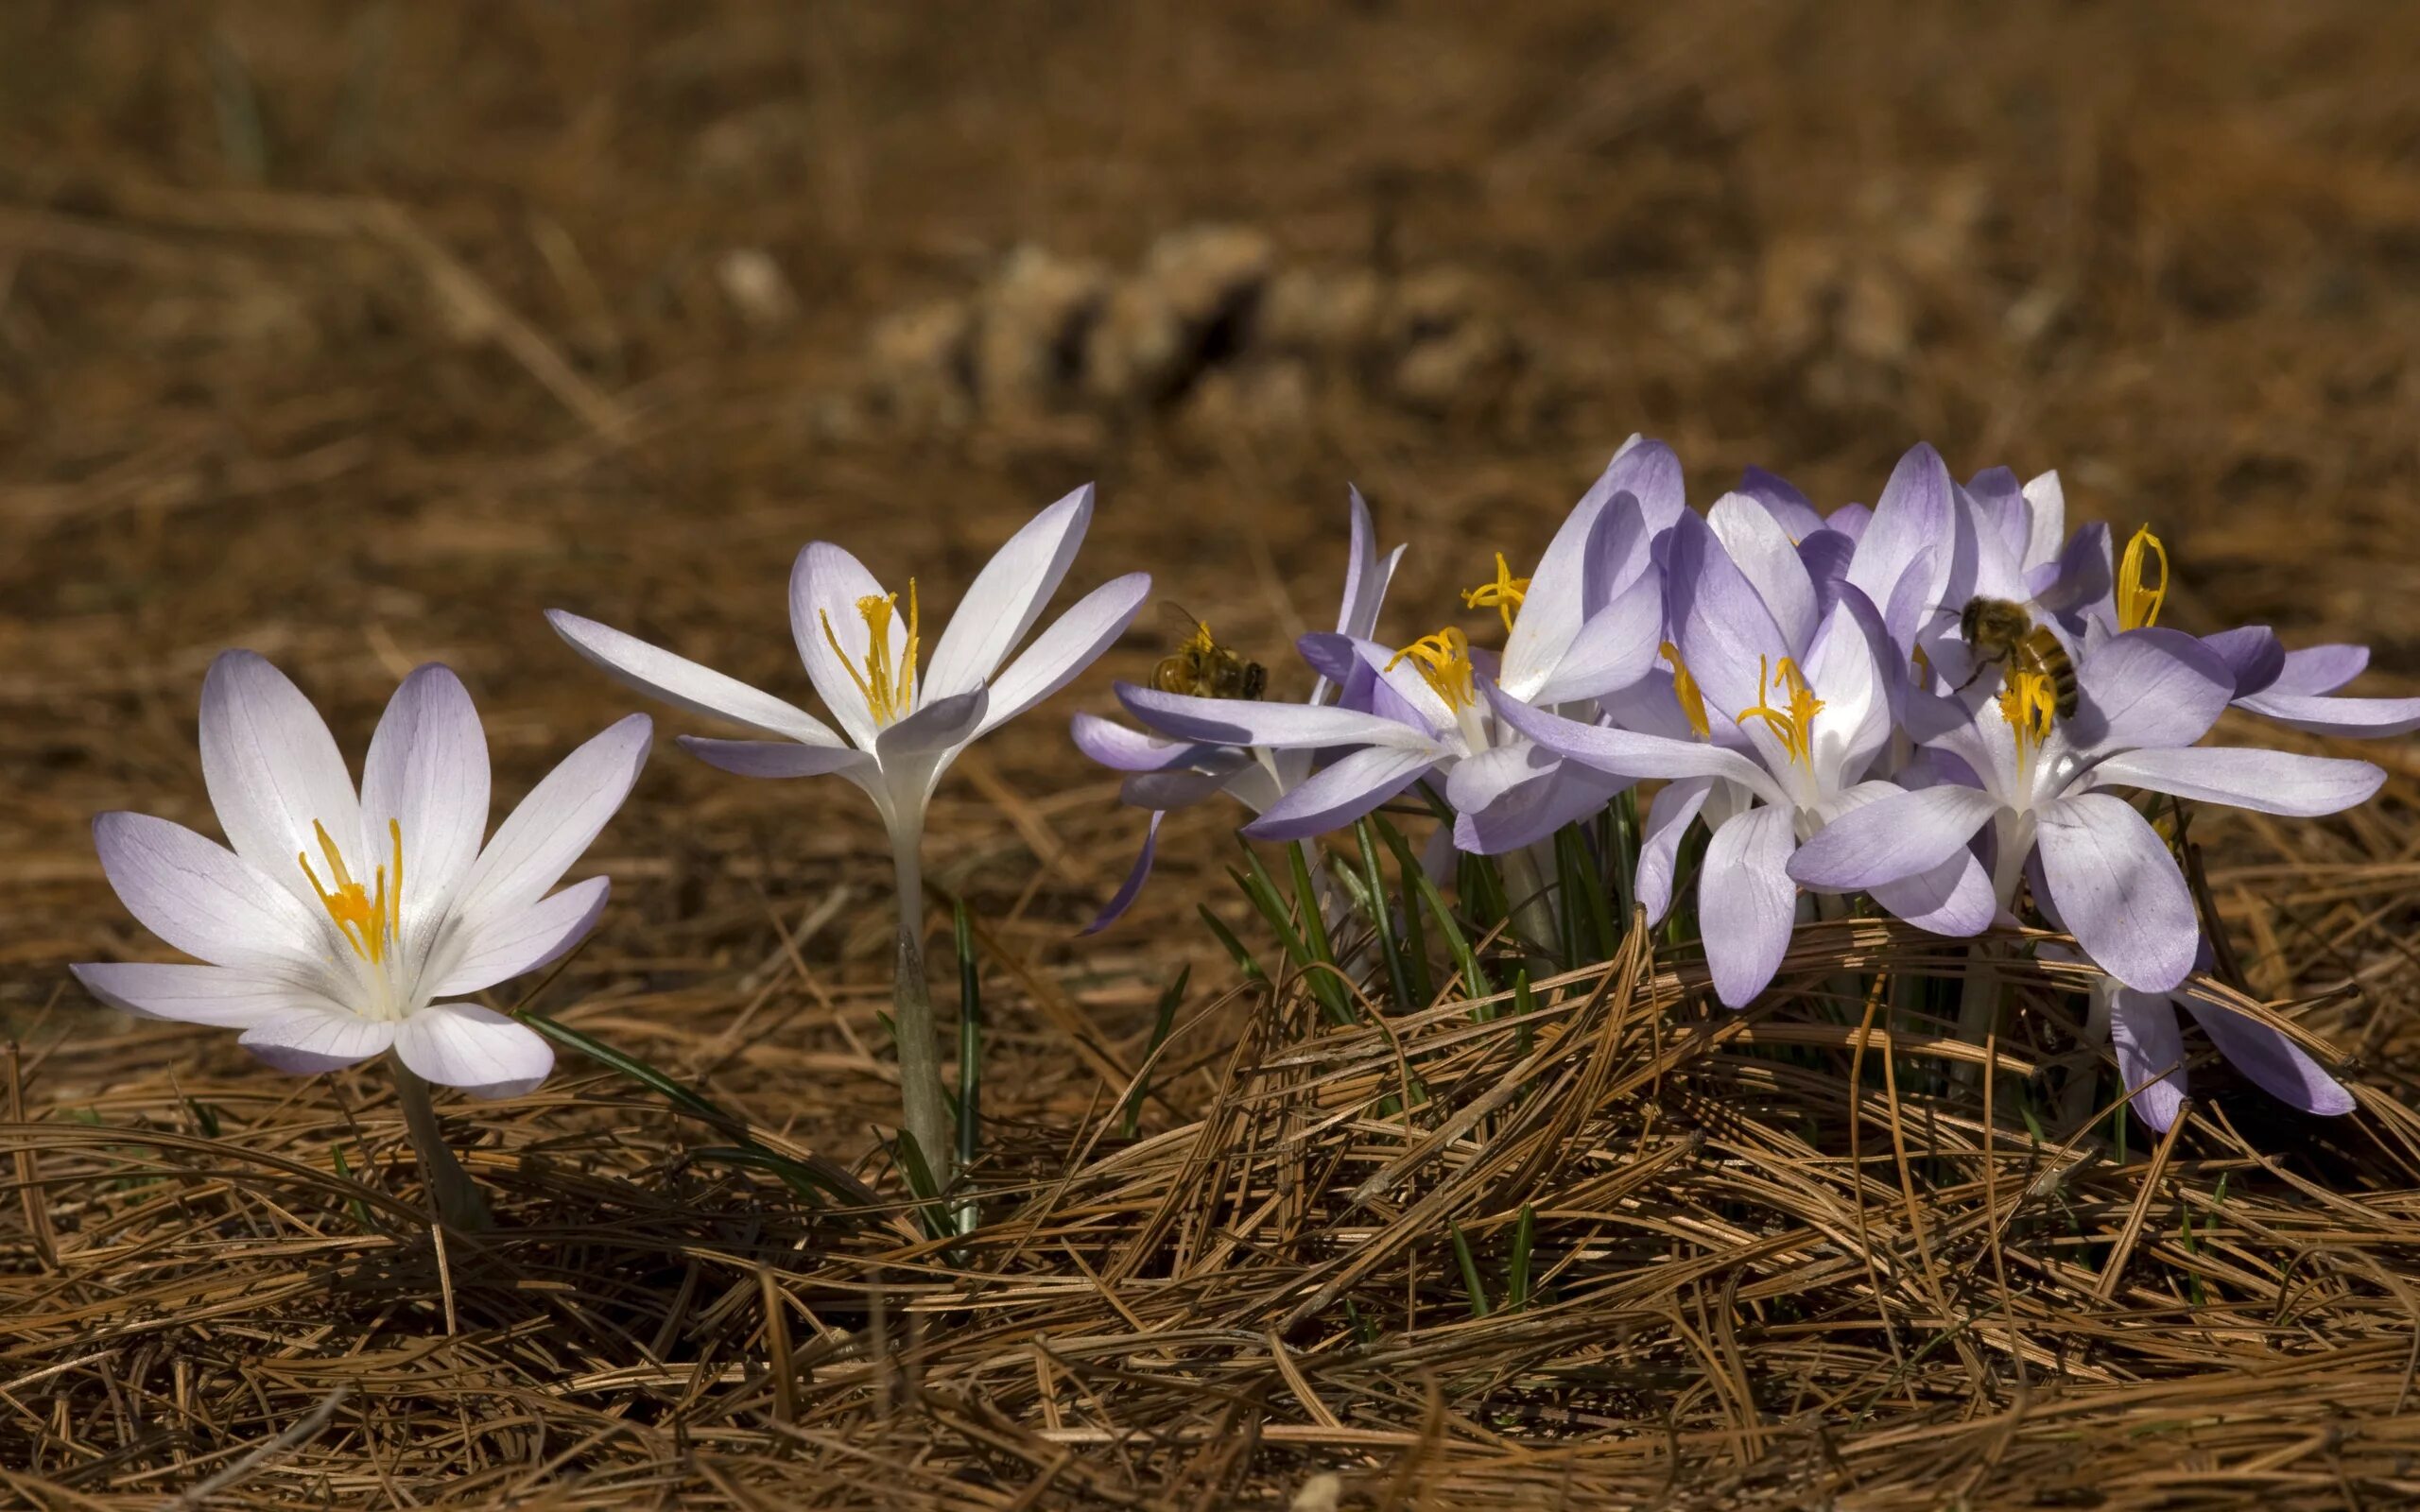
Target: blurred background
x,y
361,333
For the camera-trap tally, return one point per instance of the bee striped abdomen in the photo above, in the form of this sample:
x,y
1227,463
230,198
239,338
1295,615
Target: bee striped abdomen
x,y
2043,649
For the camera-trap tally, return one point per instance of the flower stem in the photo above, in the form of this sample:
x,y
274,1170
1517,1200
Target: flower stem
x,y
926,1105
451,1190
1526,886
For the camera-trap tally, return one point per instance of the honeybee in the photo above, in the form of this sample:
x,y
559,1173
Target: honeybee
x,y
2001,633
1202,667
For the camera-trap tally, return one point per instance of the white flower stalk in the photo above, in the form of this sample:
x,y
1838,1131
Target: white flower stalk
x,y
343,925
900,724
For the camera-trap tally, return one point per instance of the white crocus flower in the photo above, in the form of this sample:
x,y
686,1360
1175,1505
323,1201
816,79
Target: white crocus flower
x,y
343,925
900,727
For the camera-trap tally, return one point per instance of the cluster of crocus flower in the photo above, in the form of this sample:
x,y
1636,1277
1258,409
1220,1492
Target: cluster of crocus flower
x,y
1803,685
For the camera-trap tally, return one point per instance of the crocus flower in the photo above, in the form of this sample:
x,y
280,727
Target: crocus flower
x,y
901,724
1171,774
2042,784
1582,625
1791,708
341,926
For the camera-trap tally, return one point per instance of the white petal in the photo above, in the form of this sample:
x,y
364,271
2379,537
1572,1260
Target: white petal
x,y
1554,606
273,770
479,1050
826,586
307,1039
218,996
1767,558
774,758
427,772
534,846
687,685
1068,646
205,900
1007,596
497,947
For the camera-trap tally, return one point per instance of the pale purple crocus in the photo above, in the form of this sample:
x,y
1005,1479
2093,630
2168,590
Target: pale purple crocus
x,y
1790,709
2144,1037
901,724
336,925
1162,775
2301,693
2042,787
1582,625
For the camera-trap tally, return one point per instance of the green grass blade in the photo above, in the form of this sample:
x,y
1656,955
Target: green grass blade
x,y
1469,1263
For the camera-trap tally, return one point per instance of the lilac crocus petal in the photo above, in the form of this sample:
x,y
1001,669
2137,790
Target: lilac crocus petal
x,y
1954,898
827,584
1132,888
427,773
1850,520
2150,1051
2046,509
939,726
1897,835
2001,505
1006,597
2151,687
2317,669
1675,804
1121,749
1726,634
2253,654
221,996
540,840
1333,656
1345,790
2273,1062
1366,573
2271,782
1767,556
273,771
1649,471
1555,604
1183,788
1781,499
205,900
1278,726
774,758
2115,884
476,1049
1628,753
1071,644
2078,577
497,947
1826,555
1911,516
1515,796
2348,718
687,685
1747,904
1615,648
305,1040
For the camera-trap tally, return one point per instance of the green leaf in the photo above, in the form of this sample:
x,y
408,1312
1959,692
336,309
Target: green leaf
x,y
1469,1263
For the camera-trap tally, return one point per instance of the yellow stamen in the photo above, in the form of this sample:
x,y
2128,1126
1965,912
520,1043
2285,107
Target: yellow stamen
x,y
1795,727
1686,688
1443,661
2027,702
1922,664
370,921
2138,598
1503,596
890,691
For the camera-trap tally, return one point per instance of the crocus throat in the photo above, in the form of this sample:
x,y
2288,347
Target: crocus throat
x,y
890,691
2138,598
1503,596
1443,661
1794,725
1686,689
369,921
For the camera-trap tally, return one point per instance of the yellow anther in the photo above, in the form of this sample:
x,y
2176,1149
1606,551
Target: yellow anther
x,y
1443,661
1686,689
1921,665
890,691
2027,702
1795,725
370,921
2138,598
1503,596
